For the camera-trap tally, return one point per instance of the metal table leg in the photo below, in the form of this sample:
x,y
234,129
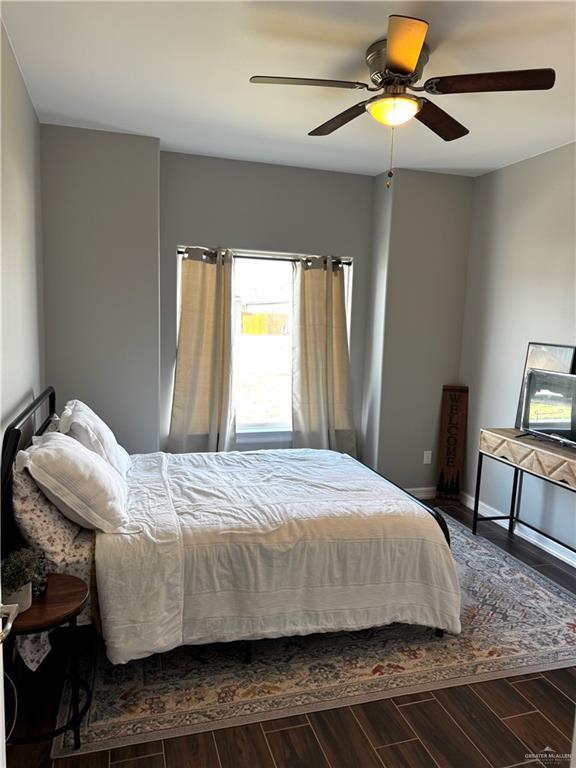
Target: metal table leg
x,y
75,683
513,500
516,517
477,493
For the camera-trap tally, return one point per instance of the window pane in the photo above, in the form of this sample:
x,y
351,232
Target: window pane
x,y
263,344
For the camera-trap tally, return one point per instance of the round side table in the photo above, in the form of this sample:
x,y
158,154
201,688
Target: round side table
x,y
64,599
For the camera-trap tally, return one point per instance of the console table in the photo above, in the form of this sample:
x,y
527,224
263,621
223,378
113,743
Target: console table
x,y
551,462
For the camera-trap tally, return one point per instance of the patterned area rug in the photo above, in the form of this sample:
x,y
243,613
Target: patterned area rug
x,y
514,621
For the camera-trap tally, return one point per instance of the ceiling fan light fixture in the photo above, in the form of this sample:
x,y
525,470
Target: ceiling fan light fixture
x,y
393,110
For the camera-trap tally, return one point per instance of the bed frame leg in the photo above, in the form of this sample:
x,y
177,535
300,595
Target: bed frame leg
x,y
439,632
248,652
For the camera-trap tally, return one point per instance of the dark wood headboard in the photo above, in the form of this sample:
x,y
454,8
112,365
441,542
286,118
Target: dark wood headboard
x,y
18,435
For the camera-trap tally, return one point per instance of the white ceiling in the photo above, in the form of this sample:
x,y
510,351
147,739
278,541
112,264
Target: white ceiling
x,y
179,71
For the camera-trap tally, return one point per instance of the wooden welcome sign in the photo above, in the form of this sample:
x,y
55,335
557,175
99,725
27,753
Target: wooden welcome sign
x,y
452,443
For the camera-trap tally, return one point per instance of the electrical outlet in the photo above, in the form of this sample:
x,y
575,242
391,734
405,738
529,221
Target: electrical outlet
x,y
427,457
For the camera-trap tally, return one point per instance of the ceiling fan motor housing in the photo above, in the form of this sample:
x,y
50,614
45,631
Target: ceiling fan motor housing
x,y
380,76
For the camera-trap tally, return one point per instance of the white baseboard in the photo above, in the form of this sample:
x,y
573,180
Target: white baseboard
x,y
422,493
562,553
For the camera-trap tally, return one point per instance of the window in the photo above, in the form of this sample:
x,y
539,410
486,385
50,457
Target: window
x,y
263,345
259,360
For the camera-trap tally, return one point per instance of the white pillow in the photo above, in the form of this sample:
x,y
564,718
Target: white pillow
x,y
80,422
84,487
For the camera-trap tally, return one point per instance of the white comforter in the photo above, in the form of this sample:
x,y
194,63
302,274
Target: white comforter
x,y
229,546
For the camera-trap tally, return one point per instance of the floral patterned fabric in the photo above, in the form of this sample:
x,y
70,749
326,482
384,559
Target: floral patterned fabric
x,y
43,526
68,549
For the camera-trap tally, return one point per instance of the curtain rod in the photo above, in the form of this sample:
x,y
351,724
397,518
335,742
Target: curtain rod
x,y
183,250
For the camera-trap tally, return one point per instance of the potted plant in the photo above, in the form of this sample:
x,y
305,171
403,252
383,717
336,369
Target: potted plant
x,y
17,572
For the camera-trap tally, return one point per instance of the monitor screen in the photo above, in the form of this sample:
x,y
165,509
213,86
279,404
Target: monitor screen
x,y
549,405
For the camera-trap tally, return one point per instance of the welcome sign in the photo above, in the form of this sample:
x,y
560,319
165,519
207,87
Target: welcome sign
x,y
452,443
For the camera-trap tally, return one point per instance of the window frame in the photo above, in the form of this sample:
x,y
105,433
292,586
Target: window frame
x,y
259,437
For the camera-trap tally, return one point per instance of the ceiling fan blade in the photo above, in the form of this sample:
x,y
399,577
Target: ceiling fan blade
x,y
404,43
261,79
513,80
337,122
440,122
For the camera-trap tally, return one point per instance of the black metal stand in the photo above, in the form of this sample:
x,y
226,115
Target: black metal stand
x,y
513,516
76,684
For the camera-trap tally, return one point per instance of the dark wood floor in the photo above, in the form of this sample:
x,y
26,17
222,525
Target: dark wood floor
x,y
496,724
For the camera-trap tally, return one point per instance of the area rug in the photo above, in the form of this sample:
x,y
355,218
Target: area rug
x,y
514,621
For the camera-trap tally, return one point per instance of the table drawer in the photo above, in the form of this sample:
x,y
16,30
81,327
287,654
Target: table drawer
x,y
515,453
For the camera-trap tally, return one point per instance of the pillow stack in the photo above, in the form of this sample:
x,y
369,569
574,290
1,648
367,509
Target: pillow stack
x,y
81,469
80,422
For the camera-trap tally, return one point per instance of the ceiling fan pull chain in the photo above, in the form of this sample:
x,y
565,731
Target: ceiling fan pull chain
x,y
390,173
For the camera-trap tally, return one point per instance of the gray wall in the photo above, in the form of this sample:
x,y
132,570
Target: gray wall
x,y
421,233
371,433
521,287
22,326
210,201
100,195
110,303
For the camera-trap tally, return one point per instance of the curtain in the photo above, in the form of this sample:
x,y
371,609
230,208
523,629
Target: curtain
x,y
321,395
202,406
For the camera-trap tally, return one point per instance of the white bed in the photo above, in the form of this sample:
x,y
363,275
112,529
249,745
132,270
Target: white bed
x,y
230,546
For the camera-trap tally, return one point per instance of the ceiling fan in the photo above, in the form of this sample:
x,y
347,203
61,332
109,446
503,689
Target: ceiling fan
x,y
396,63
